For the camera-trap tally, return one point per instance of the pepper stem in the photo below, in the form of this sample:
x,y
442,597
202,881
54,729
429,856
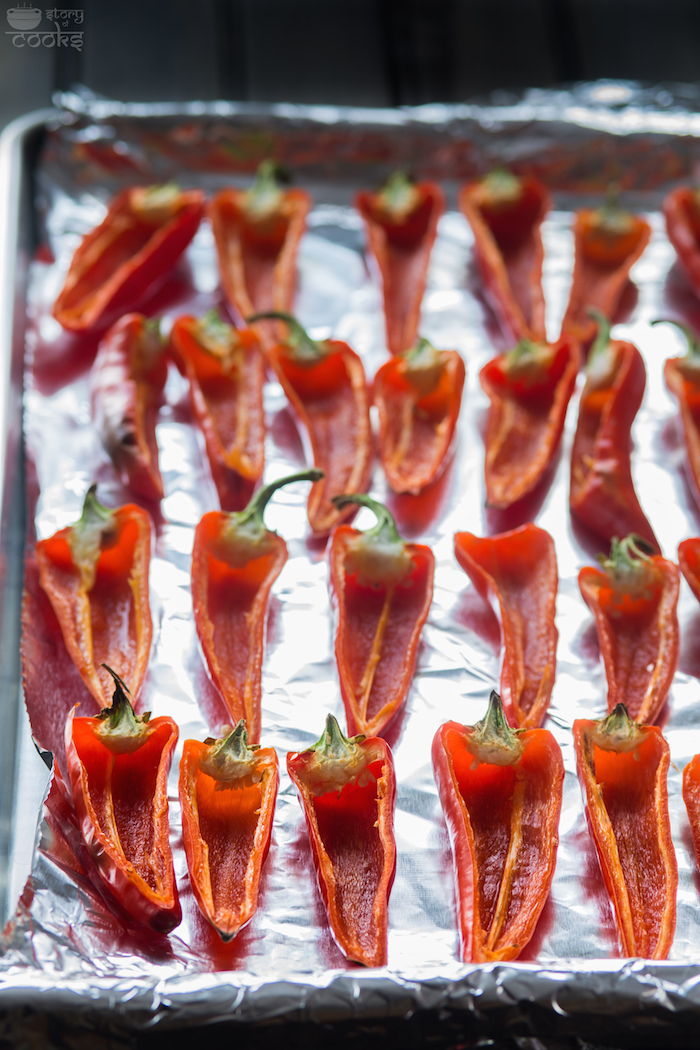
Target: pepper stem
x,y
602,339
626,556
303,347
122,731
333,744
617,731
399,195
385,529
230,759
94,513
502,186
693,342
254,512
492,740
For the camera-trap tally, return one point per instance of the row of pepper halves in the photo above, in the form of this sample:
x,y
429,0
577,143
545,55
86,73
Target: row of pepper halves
x,y
500,787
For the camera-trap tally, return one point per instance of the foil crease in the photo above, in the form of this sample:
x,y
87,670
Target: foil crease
x,y
62,943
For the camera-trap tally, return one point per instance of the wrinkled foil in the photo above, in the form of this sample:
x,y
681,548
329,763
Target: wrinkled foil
x,y
63,942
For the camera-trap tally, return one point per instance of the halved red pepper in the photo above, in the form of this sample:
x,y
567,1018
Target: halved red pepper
x,y
257,234
519,570
235,561
529,389
227,793
347,790
126,388
633,598
118,765
401,222
607,243
682,212
500,792
689,562
325,385
95,574
383,589
226,372
506,212
128,255
682,376
602,492
418,397
691,797
623,768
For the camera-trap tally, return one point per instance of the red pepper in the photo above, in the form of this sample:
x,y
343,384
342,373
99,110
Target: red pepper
x,y
622,767
633,598
383,589
691,797
126,387
257,234
607,243
226,372
682,211
602,492
118,767
529,389
227,793
682,375
401,222
95,574
500,792
235,561
128,255
418,396
519,570
347,790
689,561
506,212
325,385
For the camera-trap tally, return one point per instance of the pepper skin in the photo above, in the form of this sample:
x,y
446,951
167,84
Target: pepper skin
x,y
607,243
226,372
118,765
382,589
689,562
347,790
519,570
500,792
418,397
235,561
227,794
325,385
633,598
622,768
506,212
401,223
126,389
529,389
95,574
691,797
682,376
682,212
257,234
128,255
602,492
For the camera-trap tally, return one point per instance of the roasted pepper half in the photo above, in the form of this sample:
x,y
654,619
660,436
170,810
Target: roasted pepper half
x,y
682,375
682,211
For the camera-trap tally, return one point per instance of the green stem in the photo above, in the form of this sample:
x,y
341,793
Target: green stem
x,y
94,513
502,186
264,195
693,351
333,744
385,530
253,515
304,349
492,740
122,731
617,731
602,339
628,557
399,195
231,758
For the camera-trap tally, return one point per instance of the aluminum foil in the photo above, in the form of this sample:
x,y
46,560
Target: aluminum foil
x,y
285,963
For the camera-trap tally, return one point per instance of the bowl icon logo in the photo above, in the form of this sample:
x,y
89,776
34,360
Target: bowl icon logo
x,y
24,18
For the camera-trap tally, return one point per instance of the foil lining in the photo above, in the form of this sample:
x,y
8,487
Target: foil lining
x,y
63,943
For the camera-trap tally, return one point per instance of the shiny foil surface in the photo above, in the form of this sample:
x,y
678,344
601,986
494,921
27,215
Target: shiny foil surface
x,y
285,962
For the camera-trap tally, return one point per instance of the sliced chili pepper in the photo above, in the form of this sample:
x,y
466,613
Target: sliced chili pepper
x,y
529,389
602,492
347,790
506,212
227,794
226,373
622,768
118,765
633,598
401,222
682,375
126,386
607,243
383,589
691,797
689,561
519,570
235,561
500,791
95,574
418,396
257,234
325,385
682,211
136,245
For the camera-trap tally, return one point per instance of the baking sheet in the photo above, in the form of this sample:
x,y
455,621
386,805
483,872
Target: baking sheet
x,y
286,961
